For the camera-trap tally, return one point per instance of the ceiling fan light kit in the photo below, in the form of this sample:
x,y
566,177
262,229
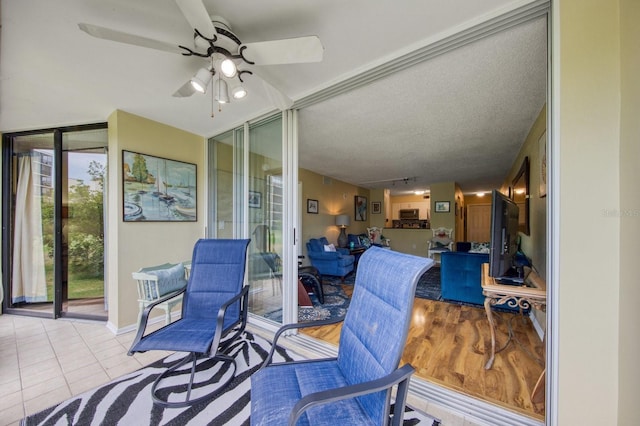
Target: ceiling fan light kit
x,y
238,92
228,68
222,91
201,80
214,40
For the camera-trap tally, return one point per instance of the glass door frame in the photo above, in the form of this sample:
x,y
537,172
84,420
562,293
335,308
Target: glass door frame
x,y
289,145
8,206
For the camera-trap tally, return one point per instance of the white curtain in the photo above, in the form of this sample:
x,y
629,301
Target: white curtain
x,y
28,281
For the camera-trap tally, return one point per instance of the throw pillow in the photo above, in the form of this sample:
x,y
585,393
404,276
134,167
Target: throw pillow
x,y
480,247
365,241
169,280
440,242
329,247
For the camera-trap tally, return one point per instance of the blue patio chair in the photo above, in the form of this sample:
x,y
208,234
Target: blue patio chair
x,y
354,388
214,305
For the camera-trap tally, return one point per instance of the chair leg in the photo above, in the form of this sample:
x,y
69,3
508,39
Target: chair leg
x,y
155,392
167,315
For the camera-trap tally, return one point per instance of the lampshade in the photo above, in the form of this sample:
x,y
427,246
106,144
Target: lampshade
x,y
201,80
343,220
222,92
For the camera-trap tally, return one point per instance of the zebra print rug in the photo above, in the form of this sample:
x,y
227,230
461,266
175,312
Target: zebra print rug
x,y
127,400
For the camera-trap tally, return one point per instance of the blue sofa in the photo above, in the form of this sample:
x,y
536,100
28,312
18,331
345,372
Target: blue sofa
x,y
337,263
460,276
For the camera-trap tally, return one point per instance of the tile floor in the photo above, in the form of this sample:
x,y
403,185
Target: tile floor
x,y
44,361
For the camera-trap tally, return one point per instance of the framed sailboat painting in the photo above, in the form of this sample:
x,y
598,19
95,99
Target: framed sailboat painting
x,y
158,189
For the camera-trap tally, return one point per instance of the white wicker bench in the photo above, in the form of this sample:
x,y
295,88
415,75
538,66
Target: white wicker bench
x,y
157,281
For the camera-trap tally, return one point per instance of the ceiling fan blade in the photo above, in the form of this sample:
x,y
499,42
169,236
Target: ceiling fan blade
x,y
276,96
184,91
126,38
196,14
287,51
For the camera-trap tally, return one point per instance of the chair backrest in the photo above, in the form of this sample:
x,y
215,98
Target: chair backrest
x,y
442,232
317,244
217,274
377,322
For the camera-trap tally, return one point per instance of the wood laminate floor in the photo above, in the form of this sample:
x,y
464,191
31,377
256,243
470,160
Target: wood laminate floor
x,y
449,344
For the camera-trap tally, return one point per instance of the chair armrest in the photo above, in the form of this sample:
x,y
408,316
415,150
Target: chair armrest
x,y
286,327
144,318
331,395
343,251
244,294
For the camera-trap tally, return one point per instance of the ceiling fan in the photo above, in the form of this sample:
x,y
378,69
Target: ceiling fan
x,y
215,42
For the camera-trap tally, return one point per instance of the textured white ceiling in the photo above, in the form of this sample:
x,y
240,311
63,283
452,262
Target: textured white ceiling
x,y
470,107
458,117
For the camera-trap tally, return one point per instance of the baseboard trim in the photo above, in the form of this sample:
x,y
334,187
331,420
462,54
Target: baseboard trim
x,y
536,325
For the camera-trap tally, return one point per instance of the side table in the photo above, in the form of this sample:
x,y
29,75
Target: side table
x,y
514,295
356,252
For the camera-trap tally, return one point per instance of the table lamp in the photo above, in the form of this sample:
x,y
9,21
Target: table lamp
x,y
342,221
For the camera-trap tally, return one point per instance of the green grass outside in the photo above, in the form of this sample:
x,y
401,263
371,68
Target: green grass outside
x,y
79,286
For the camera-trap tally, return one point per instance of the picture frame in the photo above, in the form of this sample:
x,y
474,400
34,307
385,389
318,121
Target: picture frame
x,y
312,206
376,207
542,154
255,199
360,207
156,189
442,206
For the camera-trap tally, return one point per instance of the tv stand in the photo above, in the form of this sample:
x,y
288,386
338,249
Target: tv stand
x,y
508,280
521,296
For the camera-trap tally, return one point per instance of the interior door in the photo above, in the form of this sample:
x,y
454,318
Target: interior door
x,y
479,222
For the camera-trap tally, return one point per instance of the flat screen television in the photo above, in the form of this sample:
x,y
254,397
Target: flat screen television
x,y
504,239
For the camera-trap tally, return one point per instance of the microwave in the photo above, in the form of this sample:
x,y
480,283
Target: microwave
x,y
409,214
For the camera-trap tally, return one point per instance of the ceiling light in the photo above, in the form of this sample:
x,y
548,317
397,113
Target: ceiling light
x,y
480,194
418,192
228,68
238,92
201,80
222,91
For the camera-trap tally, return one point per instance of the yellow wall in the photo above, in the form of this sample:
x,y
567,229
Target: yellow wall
x,y
134,245
629,314
384,218
533,245
334,197
592,357
445,191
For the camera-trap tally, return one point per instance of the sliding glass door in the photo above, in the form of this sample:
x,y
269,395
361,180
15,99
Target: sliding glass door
x,y
53,214
247,193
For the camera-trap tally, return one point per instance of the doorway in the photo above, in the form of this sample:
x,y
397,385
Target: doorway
x,y
53,222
